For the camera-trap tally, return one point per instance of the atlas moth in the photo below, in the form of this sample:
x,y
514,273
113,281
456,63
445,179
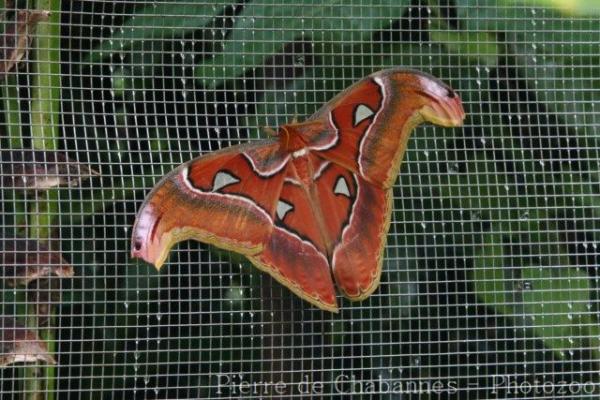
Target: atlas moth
x,y
310,206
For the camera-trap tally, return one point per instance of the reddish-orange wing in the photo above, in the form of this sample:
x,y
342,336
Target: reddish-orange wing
x,y
311,206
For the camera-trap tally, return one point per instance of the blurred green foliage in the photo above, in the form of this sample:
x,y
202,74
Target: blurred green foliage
x,y
492,261
568,7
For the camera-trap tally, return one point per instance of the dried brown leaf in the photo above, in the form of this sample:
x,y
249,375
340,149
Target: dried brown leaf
x,y
40,170
19,344
24,260
17,37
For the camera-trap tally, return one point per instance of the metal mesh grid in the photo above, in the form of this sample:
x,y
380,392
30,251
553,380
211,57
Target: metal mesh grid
x,y
489,287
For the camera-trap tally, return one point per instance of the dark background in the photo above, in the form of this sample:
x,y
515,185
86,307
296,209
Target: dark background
x,y
492,261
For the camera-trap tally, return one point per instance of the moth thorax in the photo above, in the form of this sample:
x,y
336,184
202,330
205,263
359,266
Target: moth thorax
x,y
290,139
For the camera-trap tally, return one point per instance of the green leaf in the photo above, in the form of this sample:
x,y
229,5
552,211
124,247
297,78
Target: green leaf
x,y
264,29
157,22
568,7
478,47
546,28
521,270
566,80
558,306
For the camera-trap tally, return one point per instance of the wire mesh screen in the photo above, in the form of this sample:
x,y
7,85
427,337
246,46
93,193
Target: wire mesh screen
x,y
489,284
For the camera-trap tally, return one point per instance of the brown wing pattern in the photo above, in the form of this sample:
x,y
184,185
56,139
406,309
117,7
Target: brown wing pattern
x,y
366,127
357,258
295,252
311,206
216,199
236,200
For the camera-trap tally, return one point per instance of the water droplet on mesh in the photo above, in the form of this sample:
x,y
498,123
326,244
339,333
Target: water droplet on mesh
x,y
453,168
523,285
